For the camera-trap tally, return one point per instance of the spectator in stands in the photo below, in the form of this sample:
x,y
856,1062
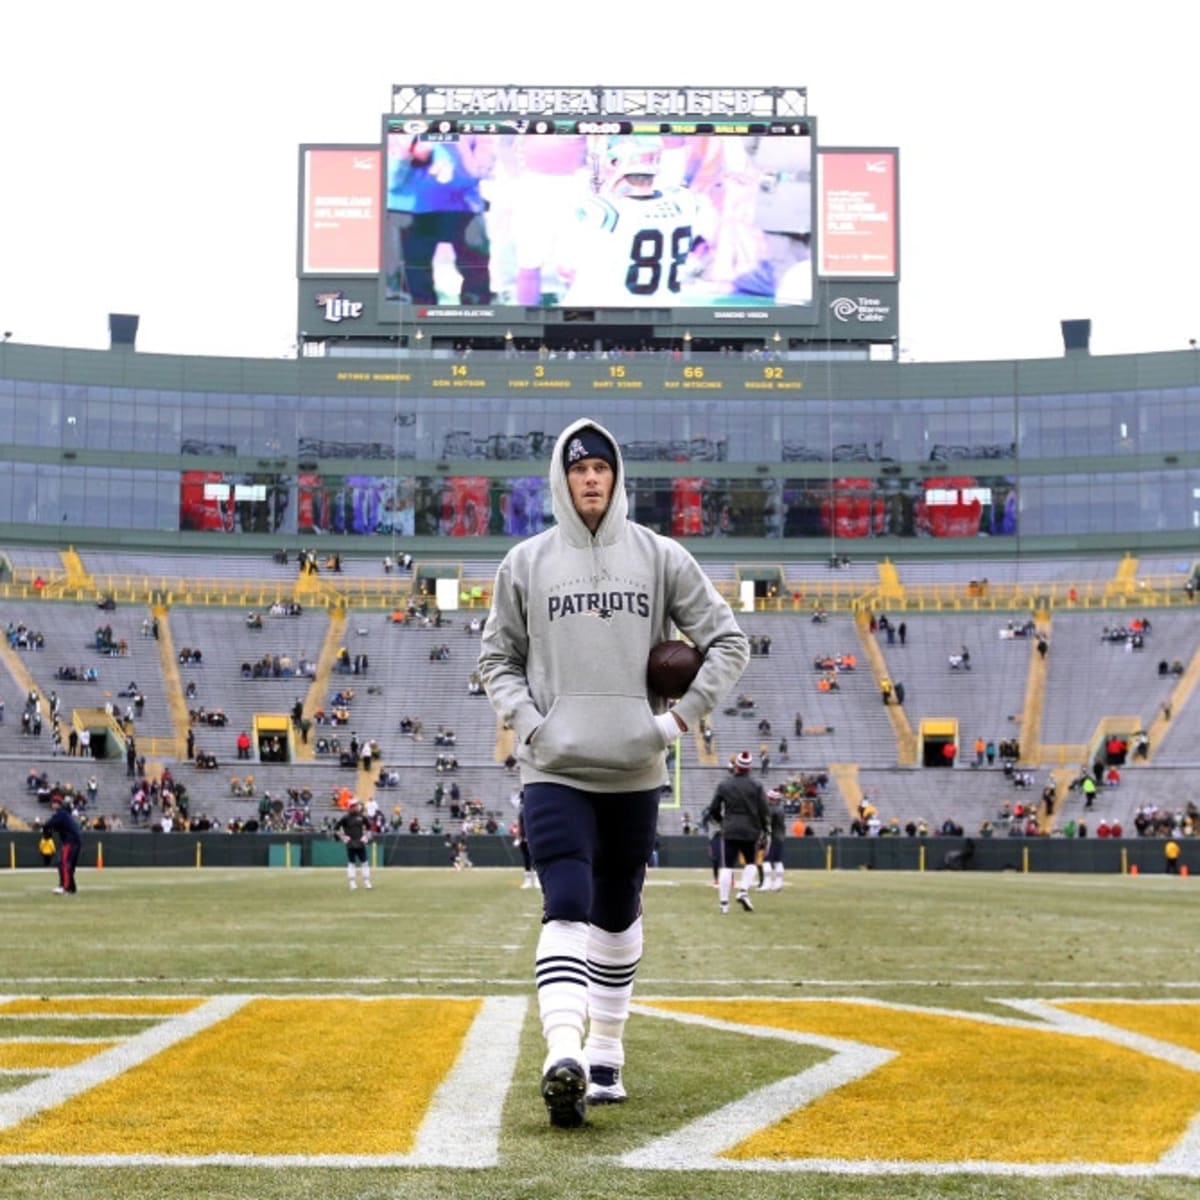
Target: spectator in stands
x,y
243,745
1049,798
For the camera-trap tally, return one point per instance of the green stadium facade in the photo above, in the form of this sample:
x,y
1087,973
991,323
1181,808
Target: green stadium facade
x,y
746,454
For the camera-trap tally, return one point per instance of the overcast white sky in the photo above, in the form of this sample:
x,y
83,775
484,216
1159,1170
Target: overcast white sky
x,y
1049,159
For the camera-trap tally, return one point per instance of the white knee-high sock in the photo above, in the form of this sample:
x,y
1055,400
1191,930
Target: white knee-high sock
x,y
562,986
612,964
749,875
724,884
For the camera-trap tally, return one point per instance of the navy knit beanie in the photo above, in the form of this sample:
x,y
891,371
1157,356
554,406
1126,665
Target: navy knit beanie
x,y
589,442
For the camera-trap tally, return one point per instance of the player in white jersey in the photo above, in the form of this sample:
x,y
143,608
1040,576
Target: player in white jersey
x,y
638,244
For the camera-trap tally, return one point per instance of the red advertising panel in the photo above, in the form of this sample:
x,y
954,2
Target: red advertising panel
x,y
341,207
857,214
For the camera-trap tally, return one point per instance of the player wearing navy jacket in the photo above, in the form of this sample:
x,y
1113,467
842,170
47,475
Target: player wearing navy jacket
x,y
62,822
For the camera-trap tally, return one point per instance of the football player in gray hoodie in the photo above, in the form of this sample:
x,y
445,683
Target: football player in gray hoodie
x,y
574,614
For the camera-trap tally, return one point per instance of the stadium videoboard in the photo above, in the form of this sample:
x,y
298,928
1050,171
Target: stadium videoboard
x,y
510,211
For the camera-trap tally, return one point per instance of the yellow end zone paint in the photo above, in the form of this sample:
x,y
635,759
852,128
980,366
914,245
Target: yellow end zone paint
x,y
1170,1022
45,1056
98,1006
961,1088
277,1077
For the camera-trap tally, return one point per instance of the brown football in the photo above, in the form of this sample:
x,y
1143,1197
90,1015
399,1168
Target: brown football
x,y
671,667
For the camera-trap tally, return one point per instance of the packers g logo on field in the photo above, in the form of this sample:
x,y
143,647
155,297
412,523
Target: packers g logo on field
x,y
901,1088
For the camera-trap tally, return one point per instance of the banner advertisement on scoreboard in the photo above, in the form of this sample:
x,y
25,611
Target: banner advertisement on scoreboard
x,y
857,203
340,208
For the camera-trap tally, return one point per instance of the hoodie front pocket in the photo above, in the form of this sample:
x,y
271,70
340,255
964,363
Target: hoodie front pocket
x,y
596,731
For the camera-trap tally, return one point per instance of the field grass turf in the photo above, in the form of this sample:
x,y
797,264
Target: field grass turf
x,y
333,988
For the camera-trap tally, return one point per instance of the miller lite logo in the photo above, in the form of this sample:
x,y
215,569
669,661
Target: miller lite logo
x,y
336,307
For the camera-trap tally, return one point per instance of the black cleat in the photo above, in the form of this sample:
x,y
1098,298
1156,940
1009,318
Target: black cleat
x,y
564,1089
744,900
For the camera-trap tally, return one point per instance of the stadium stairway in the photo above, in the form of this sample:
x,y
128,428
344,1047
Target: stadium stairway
x,y
335,639
17,668
1035,696
172,684
891,589
1181,693
1124,581
506,742
77,574
906,739
846,777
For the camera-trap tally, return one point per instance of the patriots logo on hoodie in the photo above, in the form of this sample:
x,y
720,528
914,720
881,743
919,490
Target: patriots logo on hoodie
x,y
575,451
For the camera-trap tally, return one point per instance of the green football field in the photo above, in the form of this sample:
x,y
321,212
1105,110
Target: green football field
x,y
269,1033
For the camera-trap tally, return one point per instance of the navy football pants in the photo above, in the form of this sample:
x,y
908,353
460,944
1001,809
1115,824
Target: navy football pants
x,y
591,851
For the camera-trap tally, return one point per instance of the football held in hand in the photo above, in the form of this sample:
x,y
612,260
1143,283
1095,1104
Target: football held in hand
x,y
671,667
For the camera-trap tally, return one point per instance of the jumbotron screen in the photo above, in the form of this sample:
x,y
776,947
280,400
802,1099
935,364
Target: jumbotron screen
x,y
598,215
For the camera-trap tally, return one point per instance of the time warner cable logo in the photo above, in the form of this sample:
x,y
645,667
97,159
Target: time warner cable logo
x,y
337,308
865,309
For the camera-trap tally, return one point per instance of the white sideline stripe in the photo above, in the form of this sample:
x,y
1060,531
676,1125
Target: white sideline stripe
x,y
49,1092
523,980
883,1167
820,1166
459,1130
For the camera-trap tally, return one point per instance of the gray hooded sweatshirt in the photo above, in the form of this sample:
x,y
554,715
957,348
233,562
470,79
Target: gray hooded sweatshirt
x,y
574,615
